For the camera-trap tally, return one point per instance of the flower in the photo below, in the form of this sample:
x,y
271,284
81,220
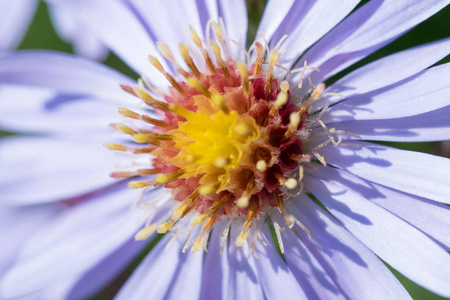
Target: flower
x,y
234,142
16,16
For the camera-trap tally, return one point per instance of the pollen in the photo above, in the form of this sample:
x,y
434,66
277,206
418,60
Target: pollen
x,y
228,139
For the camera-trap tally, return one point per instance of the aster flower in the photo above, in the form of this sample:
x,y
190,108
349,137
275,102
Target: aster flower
x,y
15,19
243,157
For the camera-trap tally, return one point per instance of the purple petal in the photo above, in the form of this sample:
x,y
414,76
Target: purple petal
x,y
244,281
430,126
165,274
15,16
84,42
25,109
411,172
371,27
277,280
399,244
386,71
63,73
38,169
274,13
426,91
87,234
305,24
357,271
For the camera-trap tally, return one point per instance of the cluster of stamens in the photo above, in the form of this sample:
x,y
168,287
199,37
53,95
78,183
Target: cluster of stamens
x,y
227,141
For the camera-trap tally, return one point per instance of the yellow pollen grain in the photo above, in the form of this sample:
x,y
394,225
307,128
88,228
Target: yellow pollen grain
x,y
206,190
291,183
261,165
162,179
241,129
221,162
243,201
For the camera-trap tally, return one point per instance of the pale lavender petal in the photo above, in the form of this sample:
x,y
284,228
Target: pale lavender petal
x,y
87,234
244,281
63,73
371,27
274,13
386,71
165,274
17,225
121,29
427,127
105,272
215,270
306,22
84,42
277,280
15,16
399,244
27,109
208,10
234,14
411,172
426,91
357,271
39,169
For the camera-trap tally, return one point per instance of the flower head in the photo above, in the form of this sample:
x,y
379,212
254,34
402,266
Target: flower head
x,y
230,150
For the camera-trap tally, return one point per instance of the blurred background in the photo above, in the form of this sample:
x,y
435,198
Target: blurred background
x,y
42,35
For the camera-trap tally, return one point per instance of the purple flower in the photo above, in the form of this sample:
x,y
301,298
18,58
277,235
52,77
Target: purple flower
x,y
16,17
242,144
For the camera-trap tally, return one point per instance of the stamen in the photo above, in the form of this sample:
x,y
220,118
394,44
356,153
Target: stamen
x,y
219,101
167,53
155,62
116,147
192,82
188,60
244,77
149,100
273,58
196,39
261,165
145,232
291,183
219,61
260,58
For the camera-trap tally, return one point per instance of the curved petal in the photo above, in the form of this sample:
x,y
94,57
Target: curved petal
x,y
401,245
371,27
165,274
386,71
234,14
15,16
84,42
411,172
305,24
244,281
36,110
129,38
87,234
63,73
427,127
38,169
277,280
426,91
274,14
357,271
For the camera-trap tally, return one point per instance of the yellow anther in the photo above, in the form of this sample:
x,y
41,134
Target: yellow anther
x,y
219,101
164,227
179,212
162,179
128,113
281,100
139,184
199,219
181,111
116,147
198,244
145,232
289,219
217,31
125,129
215,49
244,77
165,50
243,201
294,121
155,62
291,183
241,239
143,138
192,82
150,100
195,38
273,57
261,165
319,89
188,59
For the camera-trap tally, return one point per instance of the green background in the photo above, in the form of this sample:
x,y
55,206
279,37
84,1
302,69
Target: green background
x,y
41,35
